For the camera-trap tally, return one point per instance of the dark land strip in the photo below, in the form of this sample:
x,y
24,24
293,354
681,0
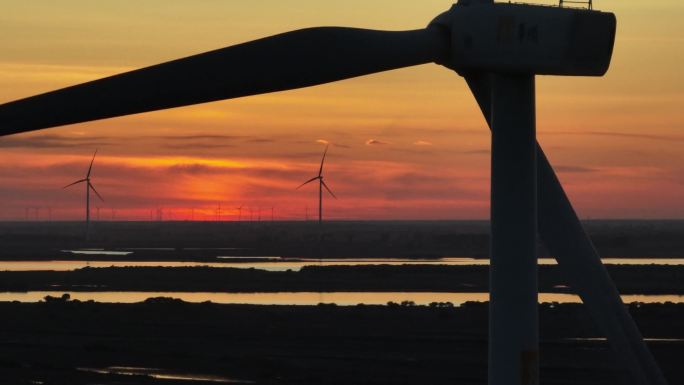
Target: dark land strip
x,y
304,345
630,279
341,239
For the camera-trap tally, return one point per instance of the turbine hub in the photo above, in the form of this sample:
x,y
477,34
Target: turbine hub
x,y
525,38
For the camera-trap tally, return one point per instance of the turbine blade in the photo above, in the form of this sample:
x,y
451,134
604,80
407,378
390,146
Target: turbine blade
x,y
95,191
307,182
326,187
320,170
562,233
290,60
77,182
91,164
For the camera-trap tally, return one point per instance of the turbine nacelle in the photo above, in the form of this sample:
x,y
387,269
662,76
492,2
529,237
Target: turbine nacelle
x,y
524,38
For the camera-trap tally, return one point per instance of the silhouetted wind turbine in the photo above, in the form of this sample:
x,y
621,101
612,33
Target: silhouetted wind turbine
x,y
321,184
239,209
89,186
498,48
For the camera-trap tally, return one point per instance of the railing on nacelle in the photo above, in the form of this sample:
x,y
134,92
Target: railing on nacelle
x,y
575,3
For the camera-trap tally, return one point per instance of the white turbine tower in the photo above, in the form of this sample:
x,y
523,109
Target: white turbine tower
x,y
88,186
498,48
321,184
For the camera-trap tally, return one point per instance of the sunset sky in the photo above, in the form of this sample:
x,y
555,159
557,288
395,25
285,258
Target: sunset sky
x,y
405,144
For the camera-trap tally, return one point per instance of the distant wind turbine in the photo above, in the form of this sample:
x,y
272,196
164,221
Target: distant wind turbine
x,y
321,184
89,186
239,209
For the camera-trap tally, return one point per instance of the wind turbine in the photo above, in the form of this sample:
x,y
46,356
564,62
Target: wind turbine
x,y
89,186
498,48
239,209
321,184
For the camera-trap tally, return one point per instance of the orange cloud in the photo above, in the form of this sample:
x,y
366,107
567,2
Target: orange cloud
x,y
373,142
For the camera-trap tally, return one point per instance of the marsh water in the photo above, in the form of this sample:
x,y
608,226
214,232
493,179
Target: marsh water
x,y
162,374
308,298
275,263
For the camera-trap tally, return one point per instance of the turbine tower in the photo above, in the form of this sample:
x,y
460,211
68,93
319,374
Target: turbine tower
x,y
321,184
498,48
88,186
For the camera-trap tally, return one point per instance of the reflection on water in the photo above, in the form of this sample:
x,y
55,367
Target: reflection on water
x,y
645,339
252,257
162,374
97,252
310,298
274,263
73,265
